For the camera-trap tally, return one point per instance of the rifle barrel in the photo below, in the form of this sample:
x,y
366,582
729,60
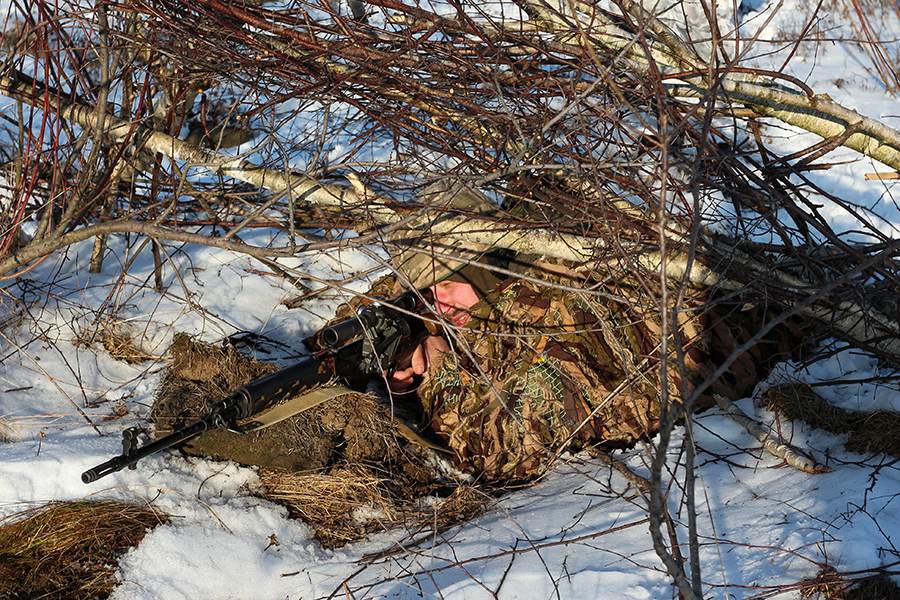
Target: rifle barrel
x,y
117,463
353,362
247,400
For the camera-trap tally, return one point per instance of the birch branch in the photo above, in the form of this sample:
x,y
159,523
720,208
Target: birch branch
x,y
139,136
674,61
492,233
770,442
815,114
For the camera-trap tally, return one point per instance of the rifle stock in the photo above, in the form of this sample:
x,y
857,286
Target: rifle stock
x,y
382,329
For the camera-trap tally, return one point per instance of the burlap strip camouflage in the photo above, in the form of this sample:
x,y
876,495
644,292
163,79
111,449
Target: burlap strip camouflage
x,y
541,367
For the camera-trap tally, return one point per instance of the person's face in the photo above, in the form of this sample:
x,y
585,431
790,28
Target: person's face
x,y
453,299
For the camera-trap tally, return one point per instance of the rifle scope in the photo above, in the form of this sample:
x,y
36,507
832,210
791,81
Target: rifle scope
x,y
378,317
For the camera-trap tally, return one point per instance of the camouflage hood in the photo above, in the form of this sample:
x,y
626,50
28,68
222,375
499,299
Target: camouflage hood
x,y
424,260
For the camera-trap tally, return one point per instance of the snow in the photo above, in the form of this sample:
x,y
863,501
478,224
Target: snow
x,y
581,532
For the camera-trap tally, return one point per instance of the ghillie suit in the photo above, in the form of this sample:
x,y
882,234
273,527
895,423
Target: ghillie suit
x,y
538,368
550,359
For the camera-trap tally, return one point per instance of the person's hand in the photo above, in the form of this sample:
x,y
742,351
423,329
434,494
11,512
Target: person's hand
x,y
424,355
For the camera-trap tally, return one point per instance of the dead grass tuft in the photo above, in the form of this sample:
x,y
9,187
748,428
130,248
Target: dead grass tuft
x,y
220,364
829,584
879,587
874,432
341,506
466,502
117,341
347,503
200,374
69,549
122,346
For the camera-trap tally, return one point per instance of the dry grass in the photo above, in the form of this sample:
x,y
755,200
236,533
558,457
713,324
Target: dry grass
x,y
341,506
6,431
874,432
69,549
200,373
14,427
122,346
347,503
829,584
117,341
874,588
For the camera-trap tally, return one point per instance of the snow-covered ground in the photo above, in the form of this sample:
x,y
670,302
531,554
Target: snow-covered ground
x,y
580,533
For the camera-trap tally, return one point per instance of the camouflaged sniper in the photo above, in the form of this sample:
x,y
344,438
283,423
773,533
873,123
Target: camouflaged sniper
x,y
538,368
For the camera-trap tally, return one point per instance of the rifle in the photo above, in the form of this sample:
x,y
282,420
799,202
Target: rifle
x,y
380,333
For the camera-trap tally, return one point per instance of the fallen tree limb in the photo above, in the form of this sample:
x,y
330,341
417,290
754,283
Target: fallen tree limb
x,y
770,442
663,52
676,62
23,88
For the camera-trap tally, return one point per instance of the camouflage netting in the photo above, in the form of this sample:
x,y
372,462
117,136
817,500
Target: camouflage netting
x,y
339,466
